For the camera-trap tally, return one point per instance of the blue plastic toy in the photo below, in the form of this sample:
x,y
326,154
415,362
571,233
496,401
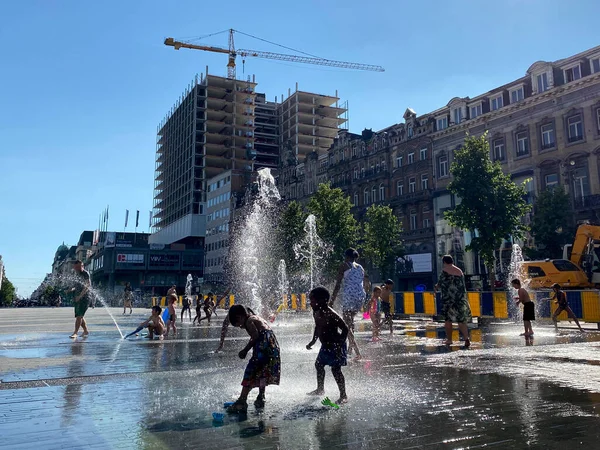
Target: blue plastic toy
x,y
228,404
218,417
165,315
327,402
137,330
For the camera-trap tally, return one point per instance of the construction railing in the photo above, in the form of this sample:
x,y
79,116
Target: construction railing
x,y
492,305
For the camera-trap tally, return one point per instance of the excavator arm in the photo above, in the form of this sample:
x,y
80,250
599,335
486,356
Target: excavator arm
x,y
582,253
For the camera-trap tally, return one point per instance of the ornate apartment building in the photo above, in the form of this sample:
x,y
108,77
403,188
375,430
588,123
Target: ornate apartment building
x,y
544,128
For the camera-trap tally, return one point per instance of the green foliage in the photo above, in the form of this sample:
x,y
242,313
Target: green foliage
x,y
291,231
335,223
491,204
381,238
8,293
51,295
552,226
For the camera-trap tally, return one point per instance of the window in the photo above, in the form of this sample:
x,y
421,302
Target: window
x,y
366,196
575,128
442,123
399,161
476,111
354,152
547,132
535,272
373,194
356,173
581,185
565,266
442,166
572,74
542,83
411,158
399,188
381,192
362,172
457,115
426,223
424,182
598,119
355,199
551,180
423,154
413,220
496,103
412,185
517,95
522,143
410,131
498,147
595,65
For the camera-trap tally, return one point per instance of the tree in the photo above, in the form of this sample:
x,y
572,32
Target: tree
x,y
291,231
8,293
335,223
381,238
491,205
552,226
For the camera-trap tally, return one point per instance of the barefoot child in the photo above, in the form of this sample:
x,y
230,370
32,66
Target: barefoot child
x,y
155,324
373,307
172,315
528,306
209,305
264,366
560,298
386,290
199,303
332,331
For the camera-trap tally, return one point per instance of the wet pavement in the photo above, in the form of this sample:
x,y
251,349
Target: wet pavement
x,y
408,391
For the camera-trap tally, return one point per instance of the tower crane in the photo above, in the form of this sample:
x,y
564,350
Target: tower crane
x,y
233,53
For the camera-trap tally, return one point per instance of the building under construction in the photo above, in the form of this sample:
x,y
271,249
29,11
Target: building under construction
x,y
221,124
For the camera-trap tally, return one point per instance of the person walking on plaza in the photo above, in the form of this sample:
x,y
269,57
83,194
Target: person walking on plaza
x,y
172,315
128,298
172,290
560,298
81,300
528,306
454,298
353,276
386,306
186,302
332,331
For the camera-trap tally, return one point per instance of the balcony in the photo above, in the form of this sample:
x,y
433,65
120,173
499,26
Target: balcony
x,y
419,233
548,146
587,202
575,138
411,197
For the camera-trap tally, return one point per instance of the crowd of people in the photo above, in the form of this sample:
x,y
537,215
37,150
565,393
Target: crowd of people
x,y
335,332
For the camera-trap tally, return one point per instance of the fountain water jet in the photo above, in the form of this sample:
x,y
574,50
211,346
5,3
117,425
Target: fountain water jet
x,y
283,282
254,242
515,270
312,249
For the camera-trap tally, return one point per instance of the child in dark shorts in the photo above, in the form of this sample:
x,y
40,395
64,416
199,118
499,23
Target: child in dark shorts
x,y
332,331
528,306
560,298
386,290
172,315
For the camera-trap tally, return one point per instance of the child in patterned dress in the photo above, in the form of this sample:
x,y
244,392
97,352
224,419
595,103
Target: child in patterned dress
x,y
332,331
265,365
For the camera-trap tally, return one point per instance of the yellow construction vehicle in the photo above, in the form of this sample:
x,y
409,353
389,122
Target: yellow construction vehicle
x,y
579,268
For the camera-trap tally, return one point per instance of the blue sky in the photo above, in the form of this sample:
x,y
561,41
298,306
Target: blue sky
x,y
84,84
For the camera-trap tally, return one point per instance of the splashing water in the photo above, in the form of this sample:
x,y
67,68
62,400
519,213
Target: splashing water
x,y
188,286
282,279
254,243
63,283
312,249
515,270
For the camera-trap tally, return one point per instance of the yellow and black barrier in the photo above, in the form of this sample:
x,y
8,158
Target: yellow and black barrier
x,y
493,305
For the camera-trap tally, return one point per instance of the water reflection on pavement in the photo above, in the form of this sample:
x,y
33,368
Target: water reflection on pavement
x,y
409,391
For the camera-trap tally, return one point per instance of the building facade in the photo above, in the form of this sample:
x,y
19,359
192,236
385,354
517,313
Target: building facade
x,y
543,128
